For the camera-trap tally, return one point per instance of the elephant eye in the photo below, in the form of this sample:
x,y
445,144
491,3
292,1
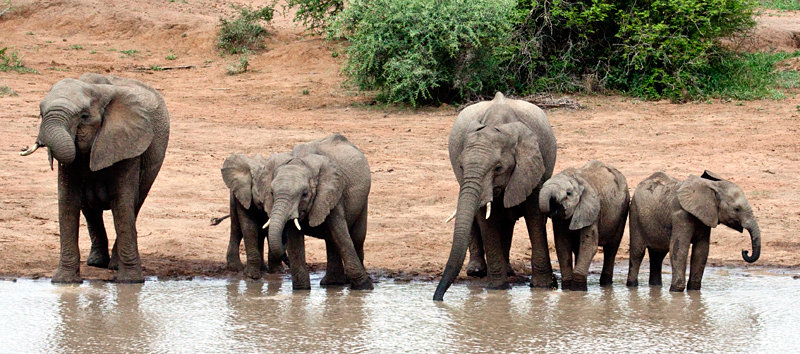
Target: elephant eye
x,y
569,193
498,168
737,209
85,116
305,194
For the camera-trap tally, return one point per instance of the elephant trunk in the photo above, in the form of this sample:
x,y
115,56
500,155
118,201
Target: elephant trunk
x,y
277,219
755,238
58,140
546,198
468,200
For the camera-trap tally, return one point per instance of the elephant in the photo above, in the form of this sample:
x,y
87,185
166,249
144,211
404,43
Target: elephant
x,y
109,136
320,189
503,150
668,215
246,220
589,208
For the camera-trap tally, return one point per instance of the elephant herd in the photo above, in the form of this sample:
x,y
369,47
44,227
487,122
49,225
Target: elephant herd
x,y
109,136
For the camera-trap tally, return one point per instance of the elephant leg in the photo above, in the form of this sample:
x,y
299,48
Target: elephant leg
x,y
234,262
98,255
296,249
563,245
249,227
123,208
678,255
260,240
477,262
353,268
610,254
507,234
491,231
588,248
656,261
699,258
637,249
541,270
69,209
334,272
358,232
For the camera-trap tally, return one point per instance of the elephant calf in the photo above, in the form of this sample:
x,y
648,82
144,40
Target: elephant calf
x,y
589,208
668,215
319,189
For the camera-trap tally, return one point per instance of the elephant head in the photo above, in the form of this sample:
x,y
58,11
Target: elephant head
x,y
716,201
496,161
569,196
106,122
287,188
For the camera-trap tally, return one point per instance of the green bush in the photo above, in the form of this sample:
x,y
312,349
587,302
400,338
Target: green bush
x,y
12,61
244,33
421,51
315,14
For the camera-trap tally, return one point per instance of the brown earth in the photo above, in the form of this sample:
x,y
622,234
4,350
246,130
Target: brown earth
x,y
294,93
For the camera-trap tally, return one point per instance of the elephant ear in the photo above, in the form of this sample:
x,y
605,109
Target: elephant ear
x,y
238,172
529,167
262,177
700,200
330,187
588,208
711,176
126,131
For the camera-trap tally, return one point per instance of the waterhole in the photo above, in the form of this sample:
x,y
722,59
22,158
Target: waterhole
x,y
737,311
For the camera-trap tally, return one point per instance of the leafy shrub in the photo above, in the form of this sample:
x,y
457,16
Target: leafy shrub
x,y
12,61
420,51
315,14
244,33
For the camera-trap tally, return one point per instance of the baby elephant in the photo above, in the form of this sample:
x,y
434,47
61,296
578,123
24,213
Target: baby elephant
x,y
667,215
319,189
589,208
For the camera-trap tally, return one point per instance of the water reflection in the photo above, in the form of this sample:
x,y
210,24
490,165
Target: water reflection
x,y
734,312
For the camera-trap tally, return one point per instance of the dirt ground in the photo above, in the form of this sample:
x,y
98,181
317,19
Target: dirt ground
x,y
293,93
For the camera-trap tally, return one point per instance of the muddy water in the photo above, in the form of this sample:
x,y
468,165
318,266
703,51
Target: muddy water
x,y
736,311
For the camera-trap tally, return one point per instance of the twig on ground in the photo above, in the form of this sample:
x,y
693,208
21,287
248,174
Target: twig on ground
x,y
160,68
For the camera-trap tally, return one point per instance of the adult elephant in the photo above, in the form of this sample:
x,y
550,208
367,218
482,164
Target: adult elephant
x,y
668,215
589,208
319,189
501,150
109,136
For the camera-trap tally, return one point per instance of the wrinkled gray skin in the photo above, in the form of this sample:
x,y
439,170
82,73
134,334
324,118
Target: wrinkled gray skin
x,y
109,136
324,184
668,215
589,208
501,152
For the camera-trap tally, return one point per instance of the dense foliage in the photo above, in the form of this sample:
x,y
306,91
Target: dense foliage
x,y
245,32
424,50
315,14
421,51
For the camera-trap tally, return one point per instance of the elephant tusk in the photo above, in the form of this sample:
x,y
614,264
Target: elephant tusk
x,y
488,210
297,223
451,216
266,224
30,151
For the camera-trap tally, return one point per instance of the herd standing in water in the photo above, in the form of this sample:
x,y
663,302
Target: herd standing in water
x,y
109,136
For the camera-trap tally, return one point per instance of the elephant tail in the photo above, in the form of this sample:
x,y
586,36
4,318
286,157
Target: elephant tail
x,y
216,221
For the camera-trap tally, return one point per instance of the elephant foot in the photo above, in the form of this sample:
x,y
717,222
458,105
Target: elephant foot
x,y
565,284
632,283
235,265
274,268
129,275
544,281
98,258
365,284
606,280
113,264
498,285
252,271
655,281
333,280
476,268
693,286
578,286
676,288
67,276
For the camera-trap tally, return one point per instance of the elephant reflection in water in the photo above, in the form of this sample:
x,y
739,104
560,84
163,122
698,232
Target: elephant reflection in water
x,y
97,319
294,322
